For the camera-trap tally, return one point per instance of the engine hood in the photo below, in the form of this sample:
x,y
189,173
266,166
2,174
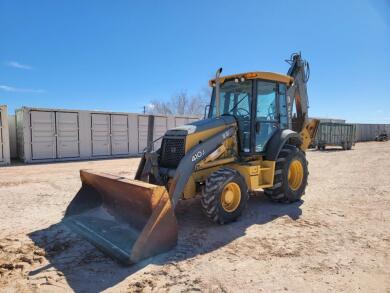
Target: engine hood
x,y
202,125
196,132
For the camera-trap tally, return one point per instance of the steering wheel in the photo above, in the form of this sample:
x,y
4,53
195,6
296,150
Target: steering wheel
x,y
246,112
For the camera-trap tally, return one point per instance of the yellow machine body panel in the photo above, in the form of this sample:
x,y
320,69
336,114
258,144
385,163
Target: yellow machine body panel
x,y
258,174
308,133
197,137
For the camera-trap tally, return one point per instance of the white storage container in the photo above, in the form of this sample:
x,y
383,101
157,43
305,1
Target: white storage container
x,y
160,127
193,119
143,131
119,135
48,134
5,157
368,132
181,120
45,135
12,136
100,134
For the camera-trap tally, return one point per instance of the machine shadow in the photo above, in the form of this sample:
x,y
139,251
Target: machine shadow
x,y
86,269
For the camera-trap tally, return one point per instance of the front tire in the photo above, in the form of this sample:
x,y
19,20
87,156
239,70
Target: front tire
x,y
290,177
224,196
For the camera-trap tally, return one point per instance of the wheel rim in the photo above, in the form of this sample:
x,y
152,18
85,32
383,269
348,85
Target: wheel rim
x,y
231,197
295,175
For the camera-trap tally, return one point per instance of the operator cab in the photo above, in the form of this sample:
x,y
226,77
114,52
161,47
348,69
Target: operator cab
x,y
258,102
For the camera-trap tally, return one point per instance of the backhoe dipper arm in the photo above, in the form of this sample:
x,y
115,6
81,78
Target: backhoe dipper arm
x,y
300,71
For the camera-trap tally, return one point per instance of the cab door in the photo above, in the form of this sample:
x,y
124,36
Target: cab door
x,y
267,113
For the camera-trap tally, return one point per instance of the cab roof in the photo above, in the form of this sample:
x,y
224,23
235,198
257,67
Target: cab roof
x,y
272,76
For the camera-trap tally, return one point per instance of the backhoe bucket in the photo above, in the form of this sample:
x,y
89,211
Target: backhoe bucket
x,y
128,219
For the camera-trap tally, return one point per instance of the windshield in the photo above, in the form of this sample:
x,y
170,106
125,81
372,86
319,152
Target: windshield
x,y
235,99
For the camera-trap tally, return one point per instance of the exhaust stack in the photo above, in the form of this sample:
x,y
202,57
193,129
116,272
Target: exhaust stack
x,y
217,86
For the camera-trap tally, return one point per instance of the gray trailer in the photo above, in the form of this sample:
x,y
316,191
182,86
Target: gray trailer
x,y
335,134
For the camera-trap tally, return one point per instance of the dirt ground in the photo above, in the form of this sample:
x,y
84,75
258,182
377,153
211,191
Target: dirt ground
x,y
336,239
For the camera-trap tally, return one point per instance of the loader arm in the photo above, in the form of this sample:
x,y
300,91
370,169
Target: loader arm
x,y
147,167
194,156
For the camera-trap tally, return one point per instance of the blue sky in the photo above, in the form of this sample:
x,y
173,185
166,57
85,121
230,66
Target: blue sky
x,y
120,55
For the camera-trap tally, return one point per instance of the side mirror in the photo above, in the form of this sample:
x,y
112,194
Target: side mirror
x,y
257,127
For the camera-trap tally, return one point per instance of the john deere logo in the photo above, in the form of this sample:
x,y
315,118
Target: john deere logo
x,y
173,150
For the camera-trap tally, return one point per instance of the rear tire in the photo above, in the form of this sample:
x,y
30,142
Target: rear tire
x,y
290,177
224,196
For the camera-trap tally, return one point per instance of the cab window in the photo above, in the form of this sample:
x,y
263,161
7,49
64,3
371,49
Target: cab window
x,y
266,113
283,111
235,99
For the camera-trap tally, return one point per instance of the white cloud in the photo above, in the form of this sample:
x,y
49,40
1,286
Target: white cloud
x,y
7,88
18,65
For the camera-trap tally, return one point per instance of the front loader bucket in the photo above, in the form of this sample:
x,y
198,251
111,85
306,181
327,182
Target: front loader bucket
x,y
128,219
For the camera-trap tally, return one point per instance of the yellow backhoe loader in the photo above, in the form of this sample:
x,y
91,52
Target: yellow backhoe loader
x,y
254,138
